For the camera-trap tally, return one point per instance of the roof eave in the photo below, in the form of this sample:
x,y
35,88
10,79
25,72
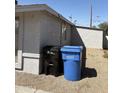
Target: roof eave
x,y
42,7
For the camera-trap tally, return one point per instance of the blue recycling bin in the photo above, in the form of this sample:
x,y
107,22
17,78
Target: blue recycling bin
x,y
71,56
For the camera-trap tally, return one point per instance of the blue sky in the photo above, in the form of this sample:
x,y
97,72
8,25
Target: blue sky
x,y
78,9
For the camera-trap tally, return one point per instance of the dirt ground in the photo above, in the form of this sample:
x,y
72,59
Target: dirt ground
x,y
95,79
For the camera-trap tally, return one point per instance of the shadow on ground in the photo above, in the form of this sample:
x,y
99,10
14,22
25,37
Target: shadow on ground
x,y
88,73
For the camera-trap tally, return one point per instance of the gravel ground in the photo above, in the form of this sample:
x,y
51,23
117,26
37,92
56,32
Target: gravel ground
x,y
95,79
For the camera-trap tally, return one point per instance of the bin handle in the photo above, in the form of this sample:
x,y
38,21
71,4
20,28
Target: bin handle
x,y
50,53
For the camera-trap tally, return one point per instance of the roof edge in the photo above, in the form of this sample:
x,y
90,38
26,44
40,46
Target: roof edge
x,y
89,28
40,7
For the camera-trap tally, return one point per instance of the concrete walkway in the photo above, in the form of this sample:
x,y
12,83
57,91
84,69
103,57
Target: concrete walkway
x,y
22,89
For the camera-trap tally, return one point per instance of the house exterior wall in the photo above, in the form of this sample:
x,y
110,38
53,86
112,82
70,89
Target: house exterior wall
x,y
39,29
50,32
87,37
66,34
19,46
29,42
20,38
31,32
51,28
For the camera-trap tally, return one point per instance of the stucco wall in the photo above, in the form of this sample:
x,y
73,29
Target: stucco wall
x,y
66,34
50,28
20,36
50,32
31,32
38,29
29,37
89,38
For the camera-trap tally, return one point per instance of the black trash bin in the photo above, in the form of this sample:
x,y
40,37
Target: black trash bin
x,y
52,60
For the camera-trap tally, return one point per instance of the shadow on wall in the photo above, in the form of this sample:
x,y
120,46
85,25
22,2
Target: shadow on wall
x,y
105,40
77,40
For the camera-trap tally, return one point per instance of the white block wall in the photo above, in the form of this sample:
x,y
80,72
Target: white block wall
x,y
90,38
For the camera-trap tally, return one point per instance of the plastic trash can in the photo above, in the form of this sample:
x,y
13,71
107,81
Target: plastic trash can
x,y
71,56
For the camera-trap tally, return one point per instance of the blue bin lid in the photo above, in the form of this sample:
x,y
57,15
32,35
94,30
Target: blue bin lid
x,y
71,49
72,46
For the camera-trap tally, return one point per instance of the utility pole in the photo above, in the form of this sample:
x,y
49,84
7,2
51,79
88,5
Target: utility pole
x,y
91,14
